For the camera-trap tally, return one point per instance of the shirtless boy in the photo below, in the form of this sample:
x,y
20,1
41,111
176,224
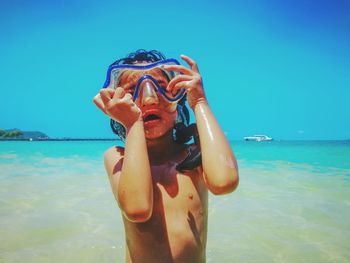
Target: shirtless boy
x,y
163,196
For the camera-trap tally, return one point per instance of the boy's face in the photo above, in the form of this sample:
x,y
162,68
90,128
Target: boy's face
x,y
158,114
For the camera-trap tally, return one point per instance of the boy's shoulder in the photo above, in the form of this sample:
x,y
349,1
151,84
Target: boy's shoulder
x,y
112,157
114,151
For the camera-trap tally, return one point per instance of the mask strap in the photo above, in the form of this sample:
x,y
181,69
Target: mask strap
x,y
181,117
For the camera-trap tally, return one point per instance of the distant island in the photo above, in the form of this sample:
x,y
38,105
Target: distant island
x,y
22,135
19,135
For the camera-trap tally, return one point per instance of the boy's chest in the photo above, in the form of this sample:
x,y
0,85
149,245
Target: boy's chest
x,y
180,197
178,224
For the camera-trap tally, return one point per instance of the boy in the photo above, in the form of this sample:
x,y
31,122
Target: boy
x,y
160,183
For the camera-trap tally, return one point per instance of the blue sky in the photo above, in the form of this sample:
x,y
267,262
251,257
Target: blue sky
x,y
280,68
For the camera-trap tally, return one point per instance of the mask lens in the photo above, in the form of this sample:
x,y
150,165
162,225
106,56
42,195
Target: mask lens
x,y
130,76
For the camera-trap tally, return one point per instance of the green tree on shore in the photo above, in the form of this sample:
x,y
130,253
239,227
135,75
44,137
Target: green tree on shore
x,y
10,134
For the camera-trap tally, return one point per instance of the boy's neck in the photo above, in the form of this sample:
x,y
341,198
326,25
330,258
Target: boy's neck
x,y
163,149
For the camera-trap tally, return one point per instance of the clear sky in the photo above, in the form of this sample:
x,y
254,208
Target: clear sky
x,y
280,68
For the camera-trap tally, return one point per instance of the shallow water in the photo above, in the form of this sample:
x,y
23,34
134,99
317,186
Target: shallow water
x,y
292,204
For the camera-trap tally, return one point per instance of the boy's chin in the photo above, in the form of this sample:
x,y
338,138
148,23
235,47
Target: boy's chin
x,y
154,134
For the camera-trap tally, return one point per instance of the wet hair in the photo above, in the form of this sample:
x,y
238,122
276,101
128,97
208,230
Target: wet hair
x,y
140,55
183,131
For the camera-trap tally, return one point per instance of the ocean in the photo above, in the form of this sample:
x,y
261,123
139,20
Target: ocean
x,y
292,204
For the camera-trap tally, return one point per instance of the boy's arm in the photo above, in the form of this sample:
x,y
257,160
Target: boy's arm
x,y
130,175
220,169
129,171
219,164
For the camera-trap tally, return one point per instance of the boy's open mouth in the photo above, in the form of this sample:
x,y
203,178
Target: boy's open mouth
x,y
151,117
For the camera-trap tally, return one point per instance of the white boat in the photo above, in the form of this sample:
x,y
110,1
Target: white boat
x,y
258,138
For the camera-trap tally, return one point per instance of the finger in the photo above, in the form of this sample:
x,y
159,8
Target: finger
x,y
127,97
190,62
137,108
176,80
119,93
179,68
109,91
126,100
180,85
99,103
106,95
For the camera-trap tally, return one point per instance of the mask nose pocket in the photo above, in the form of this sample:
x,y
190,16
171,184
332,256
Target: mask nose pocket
x,y
148,92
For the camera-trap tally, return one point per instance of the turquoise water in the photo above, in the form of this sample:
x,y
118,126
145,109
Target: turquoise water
x,y
292,204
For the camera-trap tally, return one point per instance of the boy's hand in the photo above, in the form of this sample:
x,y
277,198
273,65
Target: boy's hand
x,y
190,80
118,105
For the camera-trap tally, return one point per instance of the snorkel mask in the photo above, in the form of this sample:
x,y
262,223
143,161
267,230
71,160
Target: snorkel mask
x,y
146,80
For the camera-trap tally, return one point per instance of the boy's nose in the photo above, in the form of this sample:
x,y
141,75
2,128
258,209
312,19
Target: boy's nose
x,y
149,94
